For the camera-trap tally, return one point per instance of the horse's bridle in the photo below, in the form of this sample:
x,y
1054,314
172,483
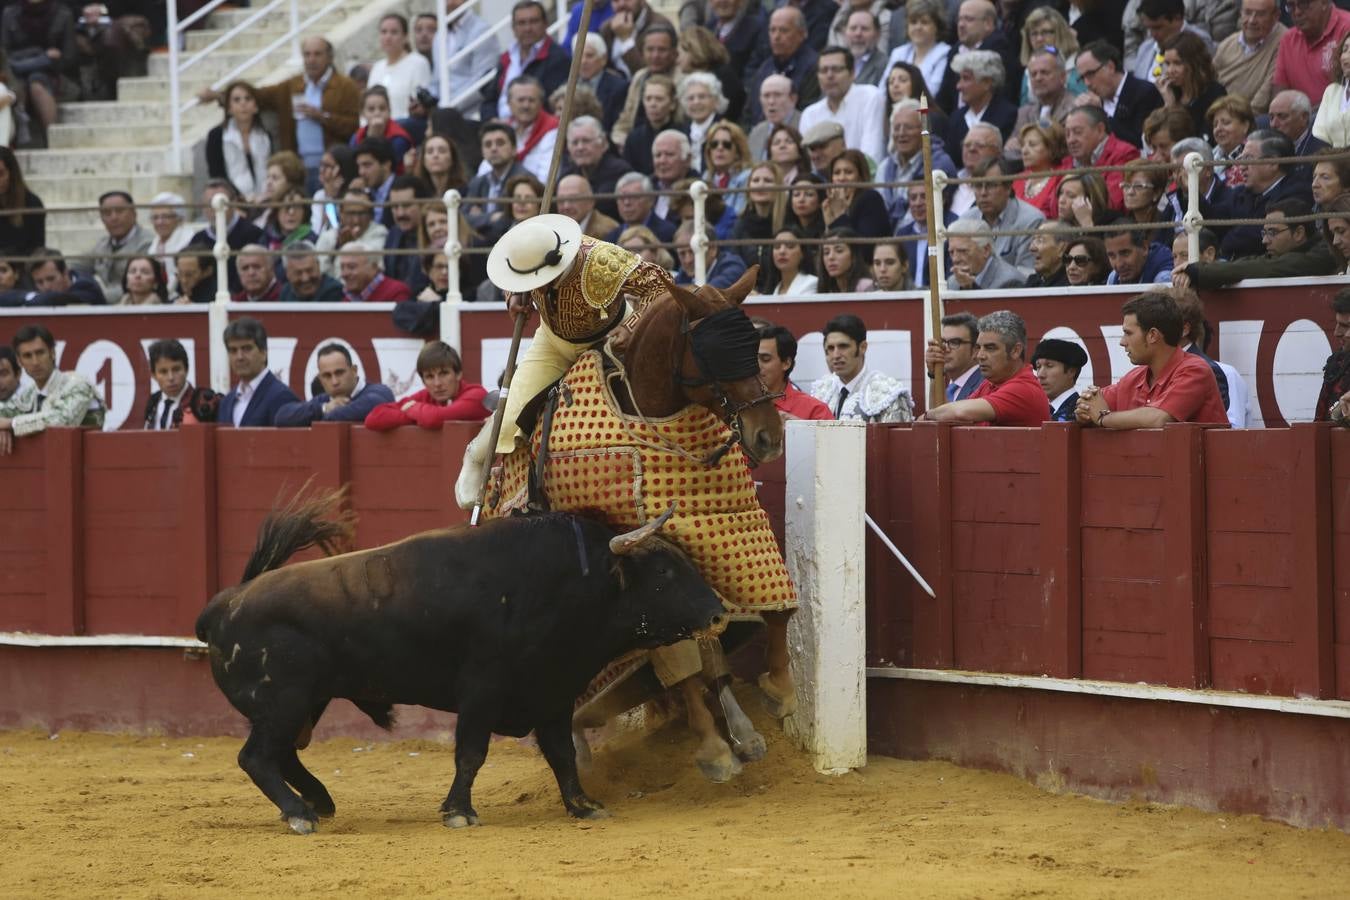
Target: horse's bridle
x,y
714,333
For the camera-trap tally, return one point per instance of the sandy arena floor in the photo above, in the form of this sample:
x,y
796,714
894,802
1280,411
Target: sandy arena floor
x,y
88,815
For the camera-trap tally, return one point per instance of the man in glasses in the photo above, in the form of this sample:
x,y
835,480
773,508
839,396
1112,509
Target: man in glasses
x,y
859,108
1292,249
1010,395
1245,61
1126,100
956,352
1307,60
1266,184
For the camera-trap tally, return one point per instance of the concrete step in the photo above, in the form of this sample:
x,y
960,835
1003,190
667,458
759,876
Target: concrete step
x,y
156,90
220,63
119,161
80,190
127,113
92,137
280,18
73,241
254,37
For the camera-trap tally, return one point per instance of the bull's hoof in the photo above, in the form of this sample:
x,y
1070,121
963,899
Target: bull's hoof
x,y
458,820
324,809
592,815
721,769
752,748
781,703
301,825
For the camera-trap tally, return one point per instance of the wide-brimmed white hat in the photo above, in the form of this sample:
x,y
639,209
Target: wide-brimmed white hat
x,y
534,253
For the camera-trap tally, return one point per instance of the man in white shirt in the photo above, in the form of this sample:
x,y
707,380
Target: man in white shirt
x,y
851,390
258,394
859,108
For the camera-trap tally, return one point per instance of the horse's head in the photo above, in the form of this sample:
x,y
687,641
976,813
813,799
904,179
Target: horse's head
x,y
719,369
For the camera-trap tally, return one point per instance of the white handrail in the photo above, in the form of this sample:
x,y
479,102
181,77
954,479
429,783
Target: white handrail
x,y
229,35
698,241
477,86
195,17
443,22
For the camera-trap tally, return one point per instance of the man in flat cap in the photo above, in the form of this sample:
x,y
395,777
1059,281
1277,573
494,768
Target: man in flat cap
x,y
824,142
1058,364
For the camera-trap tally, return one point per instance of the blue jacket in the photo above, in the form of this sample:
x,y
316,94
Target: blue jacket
x,y
1157,267
726,269
262,409
306,412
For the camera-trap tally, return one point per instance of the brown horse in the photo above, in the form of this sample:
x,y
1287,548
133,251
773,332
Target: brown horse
x,y
697,349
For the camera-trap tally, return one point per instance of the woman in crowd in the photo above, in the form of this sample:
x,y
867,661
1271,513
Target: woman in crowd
x,y
792,271
804,205
1163,128
1083,200
168,219
785,149
525,192
726,164
440,166
285,173
1042,148
925,25
1336,230
11,273
661,111
1144,190
905,81
1188,80
19,232
860,209
1333,114
238,149
761,220
1330,178
843,266
1230,120
337,168
38,37
702,102
378,122
1085,262
436,268
288,225
701,51
644,242
196,275
1045,28
143,282
402,71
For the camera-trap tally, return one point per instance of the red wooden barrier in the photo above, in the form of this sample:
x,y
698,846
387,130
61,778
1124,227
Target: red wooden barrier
x,y
1189,557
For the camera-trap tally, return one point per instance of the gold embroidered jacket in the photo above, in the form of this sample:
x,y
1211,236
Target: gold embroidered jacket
x,y
587,301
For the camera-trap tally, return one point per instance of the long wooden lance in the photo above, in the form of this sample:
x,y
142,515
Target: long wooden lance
x,y
937,385
563,121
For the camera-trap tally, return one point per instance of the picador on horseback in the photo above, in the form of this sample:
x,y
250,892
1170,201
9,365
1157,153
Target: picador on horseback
x,y
656,399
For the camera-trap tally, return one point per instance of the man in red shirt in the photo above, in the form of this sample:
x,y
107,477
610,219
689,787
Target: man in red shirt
x,y
1010,394
359,267
1167,384
1306,60
777,356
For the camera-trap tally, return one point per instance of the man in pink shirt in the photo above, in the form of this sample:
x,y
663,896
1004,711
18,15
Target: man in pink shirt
x,y
1306,60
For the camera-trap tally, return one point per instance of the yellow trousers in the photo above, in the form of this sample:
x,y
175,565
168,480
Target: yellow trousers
x,y
545,361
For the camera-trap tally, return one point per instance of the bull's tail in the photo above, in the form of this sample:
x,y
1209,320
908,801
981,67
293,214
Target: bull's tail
x,y
301,523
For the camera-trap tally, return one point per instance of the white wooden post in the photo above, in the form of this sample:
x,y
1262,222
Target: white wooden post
x,y
824,533
216,317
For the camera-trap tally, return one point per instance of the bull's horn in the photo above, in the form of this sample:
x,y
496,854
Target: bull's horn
x,y
631,540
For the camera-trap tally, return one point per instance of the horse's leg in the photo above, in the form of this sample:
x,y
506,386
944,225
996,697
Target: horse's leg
x,y
777,682
714,758
746,743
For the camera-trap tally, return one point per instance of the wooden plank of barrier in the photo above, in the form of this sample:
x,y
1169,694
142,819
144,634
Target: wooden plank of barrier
x,y
1314,607
1061,548
330,452
198,550
1184,543
931,476
64,477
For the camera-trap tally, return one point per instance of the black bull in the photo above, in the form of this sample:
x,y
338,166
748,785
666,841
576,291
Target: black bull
x,y
504,624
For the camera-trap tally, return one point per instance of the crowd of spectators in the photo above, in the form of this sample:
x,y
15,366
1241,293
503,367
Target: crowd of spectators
x,y
790,112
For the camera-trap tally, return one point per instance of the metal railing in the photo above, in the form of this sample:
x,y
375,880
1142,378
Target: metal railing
x,y
557,30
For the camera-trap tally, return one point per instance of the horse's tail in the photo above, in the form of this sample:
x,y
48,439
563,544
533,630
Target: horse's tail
x,y
299,524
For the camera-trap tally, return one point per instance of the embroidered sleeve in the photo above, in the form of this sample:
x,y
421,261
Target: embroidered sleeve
x,y
647,282
76,404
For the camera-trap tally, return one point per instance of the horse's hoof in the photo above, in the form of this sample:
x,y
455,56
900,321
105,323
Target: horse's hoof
x,y
458,820
720,770
780,705
753,748
301,825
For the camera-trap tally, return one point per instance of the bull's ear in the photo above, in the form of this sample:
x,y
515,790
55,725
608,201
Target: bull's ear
x,y
629,541
737,293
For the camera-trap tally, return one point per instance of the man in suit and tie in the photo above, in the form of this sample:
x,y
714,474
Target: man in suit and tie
x,y
1266,183
1126,100
956,352
176,397
1058,365
258,394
